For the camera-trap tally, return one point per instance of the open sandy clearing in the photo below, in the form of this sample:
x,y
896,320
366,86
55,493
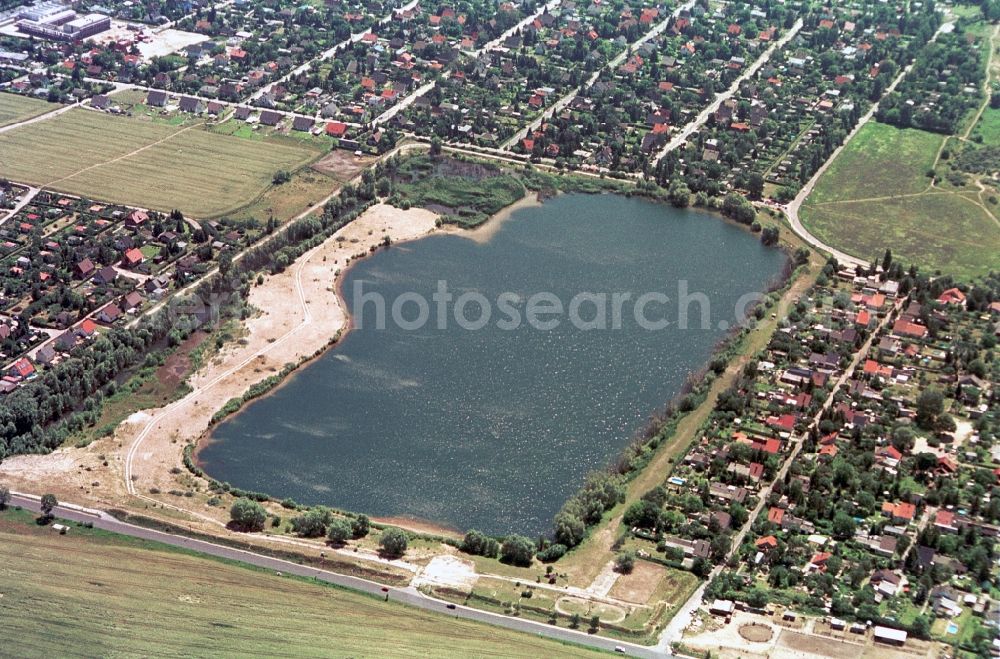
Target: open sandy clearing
x,y
300,314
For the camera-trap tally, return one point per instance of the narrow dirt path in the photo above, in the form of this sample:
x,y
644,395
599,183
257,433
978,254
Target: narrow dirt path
x,y
125,155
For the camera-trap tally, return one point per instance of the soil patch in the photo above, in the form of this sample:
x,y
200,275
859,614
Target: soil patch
x,y
756,633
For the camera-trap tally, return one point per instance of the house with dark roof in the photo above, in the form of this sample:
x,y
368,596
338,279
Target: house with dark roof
x,y
156,98
100,101
192,105
106,275
242,113
270,118
303,124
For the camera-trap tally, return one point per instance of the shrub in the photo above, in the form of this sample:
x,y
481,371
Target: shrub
x,y
394,542
247,515
517,550
340,531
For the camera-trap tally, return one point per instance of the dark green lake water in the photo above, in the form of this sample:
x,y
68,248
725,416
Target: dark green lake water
x,y
493,429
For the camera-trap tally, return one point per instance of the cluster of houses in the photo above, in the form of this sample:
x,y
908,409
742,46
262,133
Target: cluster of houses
x,y
781,122
486,97
626,116
883,513
69,265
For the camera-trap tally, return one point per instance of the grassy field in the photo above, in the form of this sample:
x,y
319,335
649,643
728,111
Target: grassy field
x,y
879,161
143,163
98,594
876,195
14,108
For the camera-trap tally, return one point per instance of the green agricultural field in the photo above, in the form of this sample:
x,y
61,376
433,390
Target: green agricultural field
x,y
14,108
98,594
148,164
876,195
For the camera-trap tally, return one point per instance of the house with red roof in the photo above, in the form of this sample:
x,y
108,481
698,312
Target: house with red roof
x,y
899,513
766,543
818,561
944,520
132,258
888,455
952,296
22,369
336,129
905,327
785,422
775,515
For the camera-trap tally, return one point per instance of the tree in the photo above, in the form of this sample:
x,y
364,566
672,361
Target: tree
x,y
313,523
435,146
394,542
339,532
569,529
843,526
48,504
4,496
479,544
755,185
247,515
517,550
769,236
361,526
625,562
930,405
757,598
679,194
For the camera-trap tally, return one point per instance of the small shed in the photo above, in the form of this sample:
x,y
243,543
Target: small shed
x,y
722,607
890,636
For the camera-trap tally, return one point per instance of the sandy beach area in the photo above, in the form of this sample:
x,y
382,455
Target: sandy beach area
x,y
299,314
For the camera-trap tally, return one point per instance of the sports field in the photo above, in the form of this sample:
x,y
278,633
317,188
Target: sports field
x,y
876,195
14,108
144,163
91,593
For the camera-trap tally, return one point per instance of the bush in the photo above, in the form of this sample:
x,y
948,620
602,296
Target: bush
x,y
394,542
247,515
517,550
552,553
340,531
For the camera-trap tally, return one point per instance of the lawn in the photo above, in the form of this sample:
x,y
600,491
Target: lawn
x,y
99,594
142,163
876,196
14,108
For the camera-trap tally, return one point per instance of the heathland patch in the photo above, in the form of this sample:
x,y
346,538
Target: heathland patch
x,y
882,192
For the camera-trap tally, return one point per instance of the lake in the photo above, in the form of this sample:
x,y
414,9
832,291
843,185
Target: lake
x,y
494,428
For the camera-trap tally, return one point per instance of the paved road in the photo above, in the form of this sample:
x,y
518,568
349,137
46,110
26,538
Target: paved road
x,y
559,105
408,595
793,207
709,110
676,627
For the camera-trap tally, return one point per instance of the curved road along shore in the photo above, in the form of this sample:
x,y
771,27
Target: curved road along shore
x,y
792,210
409,595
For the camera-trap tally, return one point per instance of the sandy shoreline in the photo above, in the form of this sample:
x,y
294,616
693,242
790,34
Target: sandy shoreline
x,y
300,313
